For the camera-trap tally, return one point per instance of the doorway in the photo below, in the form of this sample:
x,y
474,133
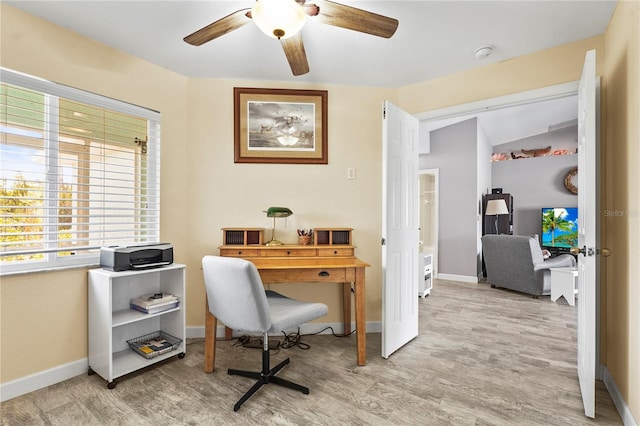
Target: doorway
x,y
534,112
431,119
429,197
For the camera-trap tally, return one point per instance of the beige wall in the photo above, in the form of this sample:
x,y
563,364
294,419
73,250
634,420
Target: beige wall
x,y
203,190
562,64
41,306
225,194
44,311
621,177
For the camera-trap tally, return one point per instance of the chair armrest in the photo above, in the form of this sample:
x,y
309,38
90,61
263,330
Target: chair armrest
x,y
562,261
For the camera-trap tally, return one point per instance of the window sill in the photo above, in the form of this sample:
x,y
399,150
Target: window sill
x,y
47,269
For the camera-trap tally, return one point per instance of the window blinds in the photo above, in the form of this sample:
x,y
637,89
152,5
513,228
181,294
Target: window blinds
x,y
79,171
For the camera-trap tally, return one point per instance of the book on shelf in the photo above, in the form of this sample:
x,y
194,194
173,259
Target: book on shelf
x,y
155,309
151,300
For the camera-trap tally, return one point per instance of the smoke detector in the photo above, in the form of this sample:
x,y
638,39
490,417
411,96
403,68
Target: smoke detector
x,y
483,51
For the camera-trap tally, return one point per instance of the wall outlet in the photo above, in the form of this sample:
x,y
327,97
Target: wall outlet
x,y
351,173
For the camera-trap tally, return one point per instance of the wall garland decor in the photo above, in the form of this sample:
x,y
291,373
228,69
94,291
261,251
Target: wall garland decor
x,y
569,178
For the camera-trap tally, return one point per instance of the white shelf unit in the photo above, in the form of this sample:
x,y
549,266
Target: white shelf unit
x,y
425,274
112,322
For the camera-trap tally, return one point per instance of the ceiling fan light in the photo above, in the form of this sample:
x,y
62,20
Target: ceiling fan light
x,y
279,19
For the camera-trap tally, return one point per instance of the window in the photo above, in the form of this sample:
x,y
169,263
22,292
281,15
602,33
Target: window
x,y
78,171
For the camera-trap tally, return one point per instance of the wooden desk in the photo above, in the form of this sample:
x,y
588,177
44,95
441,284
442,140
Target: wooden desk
x,y
342,270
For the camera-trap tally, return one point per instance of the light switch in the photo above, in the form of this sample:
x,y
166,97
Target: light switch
x,y
351,173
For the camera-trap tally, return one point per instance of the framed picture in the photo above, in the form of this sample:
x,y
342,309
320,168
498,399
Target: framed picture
x,y
280,126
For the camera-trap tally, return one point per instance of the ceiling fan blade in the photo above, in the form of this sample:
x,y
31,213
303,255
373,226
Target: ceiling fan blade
x,y
219,27
294,51
351,18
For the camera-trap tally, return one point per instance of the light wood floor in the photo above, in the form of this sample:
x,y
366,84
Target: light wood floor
x,y
483,357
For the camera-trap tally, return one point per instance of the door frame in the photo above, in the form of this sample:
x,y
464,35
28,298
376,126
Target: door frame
x,y
450,115
458,112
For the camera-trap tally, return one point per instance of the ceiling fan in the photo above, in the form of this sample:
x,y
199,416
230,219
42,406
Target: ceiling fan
x,y
283,20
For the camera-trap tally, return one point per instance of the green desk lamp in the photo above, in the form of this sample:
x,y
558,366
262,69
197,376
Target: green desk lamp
x,y
275,212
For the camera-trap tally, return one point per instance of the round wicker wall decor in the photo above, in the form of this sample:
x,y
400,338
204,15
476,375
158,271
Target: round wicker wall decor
x,y
569,178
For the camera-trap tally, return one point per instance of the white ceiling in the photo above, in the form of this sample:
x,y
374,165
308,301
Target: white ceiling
x,y
503,125
523,121
512,123
434,38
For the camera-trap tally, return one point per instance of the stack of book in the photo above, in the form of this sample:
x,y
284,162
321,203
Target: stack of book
x,y
154,303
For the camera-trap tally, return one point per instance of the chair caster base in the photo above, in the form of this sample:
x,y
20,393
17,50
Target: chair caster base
x,y
264,379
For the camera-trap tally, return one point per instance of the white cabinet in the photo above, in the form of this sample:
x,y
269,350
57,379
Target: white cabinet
x,y
112,322
425,274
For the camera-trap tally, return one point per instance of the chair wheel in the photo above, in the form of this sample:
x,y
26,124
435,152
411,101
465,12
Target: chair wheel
x,y
493,286
306,391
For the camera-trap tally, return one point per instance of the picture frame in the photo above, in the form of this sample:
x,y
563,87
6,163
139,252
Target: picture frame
x,y
280,126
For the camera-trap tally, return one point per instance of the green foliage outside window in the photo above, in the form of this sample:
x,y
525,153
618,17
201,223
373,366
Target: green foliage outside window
x,y
21,216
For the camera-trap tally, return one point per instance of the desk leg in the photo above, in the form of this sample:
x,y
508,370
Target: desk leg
x,y
346,307
210,325
361,324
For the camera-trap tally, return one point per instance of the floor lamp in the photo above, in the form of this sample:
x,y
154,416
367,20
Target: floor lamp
x,y
496,207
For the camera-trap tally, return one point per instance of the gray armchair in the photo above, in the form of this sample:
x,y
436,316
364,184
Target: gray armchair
x,y
515,262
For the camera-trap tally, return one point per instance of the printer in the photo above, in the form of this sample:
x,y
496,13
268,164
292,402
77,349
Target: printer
x,y
123,258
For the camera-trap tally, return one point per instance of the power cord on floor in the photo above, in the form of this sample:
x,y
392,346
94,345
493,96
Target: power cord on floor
x,y
293,339
289,340
332,332
243,340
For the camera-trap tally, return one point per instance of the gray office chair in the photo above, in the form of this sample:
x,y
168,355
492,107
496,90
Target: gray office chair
x,y
237,297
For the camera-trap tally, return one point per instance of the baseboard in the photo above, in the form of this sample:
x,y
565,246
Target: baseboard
x,y
600,372
623,409
461,278
43,379
197,332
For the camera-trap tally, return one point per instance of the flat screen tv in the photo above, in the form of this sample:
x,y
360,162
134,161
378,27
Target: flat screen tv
x,y
559,228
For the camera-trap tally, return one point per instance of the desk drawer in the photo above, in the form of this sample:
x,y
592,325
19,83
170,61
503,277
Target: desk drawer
x,y
317,275
288,252
239,252
330,252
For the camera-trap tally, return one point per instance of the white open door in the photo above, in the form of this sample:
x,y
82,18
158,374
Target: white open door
x,y
400,228
587,231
